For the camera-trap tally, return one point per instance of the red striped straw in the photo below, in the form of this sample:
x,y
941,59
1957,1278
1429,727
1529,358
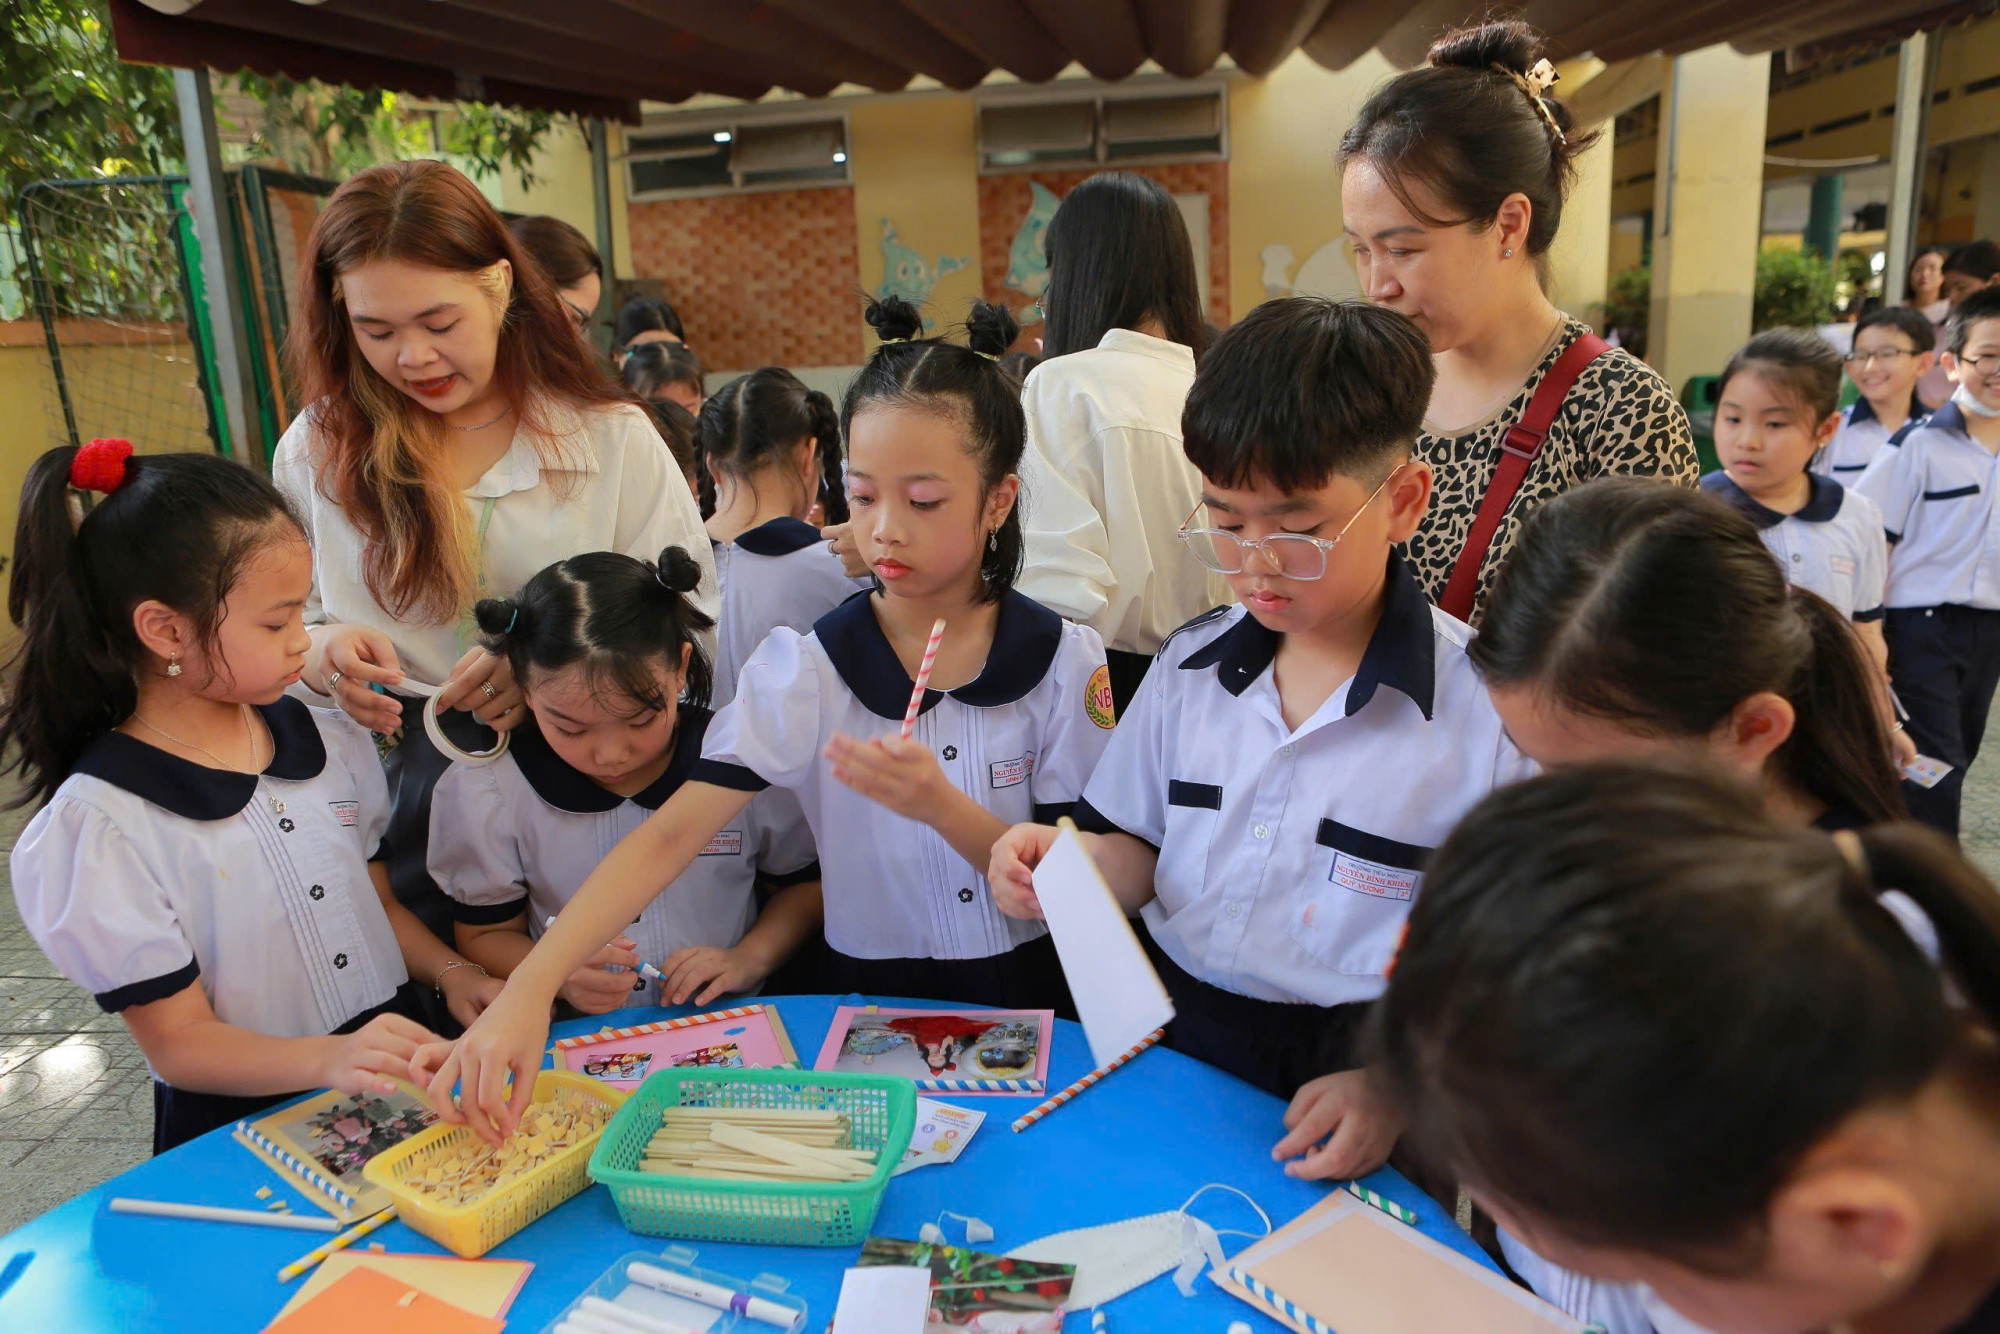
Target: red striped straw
x,y
923,679
1029,1118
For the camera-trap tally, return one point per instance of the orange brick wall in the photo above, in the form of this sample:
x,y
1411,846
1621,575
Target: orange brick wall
x,y
1004,202
759,279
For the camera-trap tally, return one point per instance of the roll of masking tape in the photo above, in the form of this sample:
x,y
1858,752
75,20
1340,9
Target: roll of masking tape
x,y
446,747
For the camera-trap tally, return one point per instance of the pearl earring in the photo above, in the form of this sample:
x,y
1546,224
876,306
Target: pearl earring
x,y
174,665
1507,253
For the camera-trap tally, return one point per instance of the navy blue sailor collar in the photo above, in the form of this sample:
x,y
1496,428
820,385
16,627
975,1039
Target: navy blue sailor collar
x,y
1861,410
567,789
1950,417
1402,653
778,537
195,791
1822,500
1026,636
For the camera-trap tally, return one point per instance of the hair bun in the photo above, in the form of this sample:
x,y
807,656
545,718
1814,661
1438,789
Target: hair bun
x,y
991,329
497,616
678,571
893,319
1510,43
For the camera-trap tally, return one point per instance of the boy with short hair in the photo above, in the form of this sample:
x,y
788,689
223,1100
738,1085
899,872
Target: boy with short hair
x,y
1290,762
1935,488
1893,350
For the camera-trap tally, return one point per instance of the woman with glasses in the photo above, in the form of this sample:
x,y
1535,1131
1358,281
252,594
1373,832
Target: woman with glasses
x,y
1452,186
1103,480
570,261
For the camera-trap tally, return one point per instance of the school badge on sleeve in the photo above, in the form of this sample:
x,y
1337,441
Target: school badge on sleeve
x,y
1097,700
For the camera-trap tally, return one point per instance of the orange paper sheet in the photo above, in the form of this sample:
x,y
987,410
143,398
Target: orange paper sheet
x,y
1360,1271
483,1287
367,1299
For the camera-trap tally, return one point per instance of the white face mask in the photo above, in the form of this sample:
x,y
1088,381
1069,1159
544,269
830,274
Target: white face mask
x,y
1114,1258
1968,403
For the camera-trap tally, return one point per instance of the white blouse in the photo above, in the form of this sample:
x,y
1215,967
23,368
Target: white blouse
x,y
1105,489
618,490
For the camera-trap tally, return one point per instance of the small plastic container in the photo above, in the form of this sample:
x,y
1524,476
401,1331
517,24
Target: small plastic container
x,y
881,1109
615,1286
471,1230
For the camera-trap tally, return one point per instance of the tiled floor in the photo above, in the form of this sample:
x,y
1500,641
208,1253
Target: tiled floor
x,y
76,1105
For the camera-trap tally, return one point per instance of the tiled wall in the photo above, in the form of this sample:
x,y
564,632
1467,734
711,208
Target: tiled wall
x,y
1004,202
758,279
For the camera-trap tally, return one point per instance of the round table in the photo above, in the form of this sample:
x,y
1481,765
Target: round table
x,y
1139,1142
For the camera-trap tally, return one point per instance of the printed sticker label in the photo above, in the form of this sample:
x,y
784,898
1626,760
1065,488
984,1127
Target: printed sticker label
x,y
728,843
1097,701
347,812
1373,878
1841,564
1011,773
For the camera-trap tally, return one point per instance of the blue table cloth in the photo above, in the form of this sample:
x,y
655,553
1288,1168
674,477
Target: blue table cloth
x,y
1139,1142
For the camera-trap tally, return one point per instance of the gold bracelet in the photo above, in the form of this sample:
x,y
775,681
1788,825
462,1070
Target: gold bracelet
x,y
438,984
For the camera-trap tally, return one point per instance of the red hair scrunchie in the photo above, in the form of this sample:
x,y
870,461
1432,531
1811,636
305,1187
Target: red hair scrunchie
x,y
100,466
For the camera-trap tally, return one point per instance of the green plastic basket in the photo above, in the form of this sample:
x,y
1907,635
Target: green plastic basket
x,y
881,1108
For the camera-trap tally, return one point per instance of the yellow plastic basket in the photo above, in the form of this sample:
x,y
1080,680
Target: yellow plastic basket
x,y
471,1230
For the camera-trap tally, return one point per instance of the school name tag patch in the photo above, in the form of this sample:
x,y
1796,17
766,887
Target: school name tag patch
x,y
1011,773
1841,564
728,843
1097,701
347,812
1373,878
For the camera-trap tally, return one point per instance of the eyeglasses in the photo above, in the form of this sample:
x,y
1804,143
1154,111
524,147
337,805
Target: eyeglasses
x,y
1293,555
1888,356
1985,367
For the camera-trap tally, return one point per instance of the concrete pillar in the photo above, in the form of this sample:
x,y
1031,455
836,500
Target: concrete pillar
x,y
1823,221
1914,65
1579,261
600,207
1986,199
1708,210
215,227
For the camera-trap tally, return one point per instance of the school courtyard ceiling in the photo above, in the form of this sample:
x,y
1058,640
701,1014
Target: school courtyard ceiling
x,y
606,57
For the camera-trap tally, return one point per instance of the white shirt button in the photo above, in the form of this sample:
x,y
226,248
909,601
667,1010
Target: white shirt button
x,y
1286,750
1234,910
1261,831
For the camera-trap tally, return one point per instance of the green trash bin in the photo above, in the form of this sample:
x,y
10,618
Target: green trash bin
x,y
1698,397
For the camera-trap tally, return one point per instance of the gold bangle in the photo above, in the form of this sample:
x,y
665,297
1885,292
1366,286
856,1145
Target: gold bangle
x,y
437,984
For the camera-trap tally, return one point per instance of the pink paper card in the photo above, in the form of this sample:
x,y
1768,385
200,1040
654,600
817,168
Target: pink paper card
x,y
963,1050
742,1037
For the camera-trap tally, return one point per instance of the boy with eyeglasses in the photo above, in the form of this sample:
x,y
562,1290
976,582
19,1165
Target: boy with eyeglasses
x,y
1268,803
1936,490
1893,349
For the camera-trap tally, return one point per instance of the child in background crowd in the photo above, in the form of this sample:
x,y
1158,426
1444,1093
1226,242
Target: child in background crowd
x,y
666,370
1893,349
678,428
643,320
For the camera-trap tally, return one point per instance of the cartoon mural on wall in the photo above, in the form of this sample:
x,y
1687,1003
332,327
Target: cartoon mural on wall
x,y
906,274
1326,272
1028,261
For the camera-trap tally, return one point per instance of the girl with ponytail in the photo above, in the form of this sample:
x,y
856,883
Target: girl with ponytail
x,y
1670,1041
770,477
905,814
608,652
205,863
1635,619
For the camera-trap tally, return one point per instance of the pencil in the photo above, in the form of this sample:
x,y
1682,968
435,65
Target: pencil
x,y
923,679
341,1242
1029,1118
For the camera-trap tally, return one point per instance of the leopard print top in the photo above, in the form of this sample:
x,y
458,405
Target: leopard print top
x,y
1618,418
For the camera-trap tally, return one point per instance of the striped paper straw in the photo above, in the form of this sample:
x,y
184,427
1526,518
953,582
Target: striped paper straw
x,y
1029,1118
1387,1206
341,1242
1303,1319
980,1085
1097,1322
607,1033
923,679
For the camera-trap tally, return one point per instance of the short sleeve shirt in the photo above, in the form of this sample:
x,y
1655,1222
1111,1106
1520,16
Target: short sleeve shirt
x,y
778,573
1619,418
1860,437
1833,545
1936,490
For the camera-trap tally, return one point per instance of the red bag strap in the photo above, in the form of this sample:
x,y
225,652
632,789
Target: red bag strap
x,y
1517,454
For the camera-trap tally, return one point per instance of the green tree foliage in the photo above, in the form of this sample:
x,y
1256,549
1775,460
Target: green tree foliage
x,y
1629,305
1794,289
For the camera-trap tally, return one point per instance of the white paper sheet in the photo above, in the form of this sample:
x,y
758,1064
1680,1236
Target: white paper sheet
x,y
1118,996
883,1299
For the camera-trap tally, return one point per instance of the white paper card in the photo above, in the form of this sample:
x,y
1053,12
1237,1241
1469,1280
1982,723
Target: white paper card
x,y
883,1299
1925,771
1119,997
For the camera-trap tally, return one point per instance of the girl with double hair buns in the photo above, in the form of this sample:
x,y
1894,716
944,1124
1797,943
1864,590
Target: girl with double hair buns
x,y
1453,178
459,437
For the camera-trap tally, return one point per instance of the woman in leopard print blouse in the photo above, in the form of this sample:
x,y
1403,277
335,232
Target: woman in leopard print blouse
x,y
1453,178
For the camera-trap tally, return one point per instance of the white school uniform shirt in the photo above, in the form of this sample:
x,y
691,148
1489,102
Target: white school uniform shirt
x,y
612,487
1936,492
1288,859
1833,545
147,873
1105,489
521,834
1860,437
778,573
1020,739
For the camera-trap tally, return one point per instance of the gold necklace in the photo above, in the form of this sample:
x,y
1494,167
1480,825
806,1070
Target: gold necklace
x,y
249,736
